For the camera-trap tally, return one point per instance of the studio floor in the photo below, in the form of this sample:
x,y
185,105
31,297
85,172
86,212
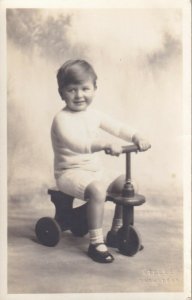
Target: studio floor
x,y
66,268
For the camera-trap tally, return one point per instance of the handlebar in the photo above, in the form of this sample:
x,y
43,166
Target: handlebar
x,y
130,148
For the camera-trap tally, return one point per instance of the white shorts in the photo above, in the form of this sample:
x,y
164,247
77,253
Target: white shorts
x,y
75,181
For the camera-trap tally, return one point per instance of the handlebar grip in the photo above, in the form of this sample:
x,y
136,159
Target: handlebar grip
x,y
131,148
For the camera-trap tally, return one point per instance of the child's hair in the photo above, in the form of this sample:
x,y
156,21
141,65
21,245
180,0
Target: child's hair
x,y
75,72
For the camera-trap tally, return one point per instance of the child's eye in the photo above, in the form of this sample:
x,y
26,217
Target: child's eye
x,y
71,90
86,89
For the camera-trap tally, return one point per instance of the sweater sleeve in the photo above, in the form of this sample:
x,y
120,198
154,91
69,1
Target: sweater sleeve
x,y
116,128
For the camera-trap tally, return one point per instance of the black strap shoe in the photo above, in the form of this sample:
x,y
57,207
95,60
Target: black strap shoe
x,y
99,256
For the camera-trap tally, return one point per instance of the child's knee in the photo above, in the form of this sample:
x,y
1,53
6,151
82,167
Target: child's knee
x,y
95,191
117,185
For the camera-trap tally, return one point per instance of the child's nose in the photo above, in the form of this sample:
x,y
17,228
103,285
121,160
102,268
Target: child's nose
x,y
79,93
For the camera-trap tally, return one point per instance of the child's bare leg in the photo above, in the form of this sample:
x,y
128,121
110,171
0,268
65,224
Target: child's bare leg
x,y
118,214
117,218
95,207
116,188
95,210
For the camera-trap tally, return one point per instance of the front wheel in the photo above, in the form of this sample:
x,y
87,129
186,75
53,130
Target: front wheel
x,y
129,241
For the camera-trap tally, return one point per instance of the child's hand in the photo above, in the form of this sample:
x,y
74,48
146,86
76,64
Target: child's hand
x,y
113,149
143,144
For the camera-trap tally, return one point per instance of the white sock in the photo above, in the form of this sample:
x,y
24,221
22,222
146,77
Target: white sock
x,y
116,224
96,236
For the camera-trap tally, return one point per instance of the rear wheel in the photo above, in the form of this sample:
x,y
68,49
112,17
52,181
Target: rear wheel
x,y
48,231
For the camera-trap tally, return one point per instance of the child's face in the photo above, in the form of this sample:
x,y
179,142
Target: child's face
x,y
78,96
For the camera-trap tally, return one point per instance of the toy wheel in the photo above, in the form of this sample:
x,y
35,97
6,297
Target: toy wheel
x,y
48,231
129,241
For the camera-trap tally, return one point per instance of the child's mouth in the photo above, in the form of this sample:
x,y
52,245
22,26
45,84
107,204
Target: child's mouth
x,y
79,102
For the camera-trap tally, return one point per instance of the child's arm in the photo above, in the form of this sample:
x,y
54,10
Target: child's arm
x,y
126,133
109,148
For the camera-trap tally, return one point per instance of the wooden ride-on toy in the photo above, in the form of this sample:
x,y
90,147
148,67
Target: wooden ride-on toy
x,y
128,240
48,230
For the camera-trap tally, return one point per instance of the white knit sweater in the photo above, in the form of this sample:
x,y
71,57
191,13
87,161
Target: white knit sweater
x,y
73,134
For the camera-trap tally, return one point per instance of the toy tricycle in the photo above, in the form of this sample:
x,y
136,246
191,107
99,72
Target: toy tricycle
x,y
48,230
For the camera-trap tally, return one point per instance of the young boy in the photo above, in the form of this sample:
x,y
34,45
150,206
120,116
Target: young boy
x,y
76,144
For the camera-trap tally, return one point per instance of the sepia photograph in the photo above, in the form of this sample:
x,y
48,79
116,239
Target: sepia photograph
x,y
95,150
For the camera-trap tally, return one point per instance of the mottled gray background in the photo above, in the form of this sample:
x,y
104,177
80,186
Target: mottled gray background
x,y
137,54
